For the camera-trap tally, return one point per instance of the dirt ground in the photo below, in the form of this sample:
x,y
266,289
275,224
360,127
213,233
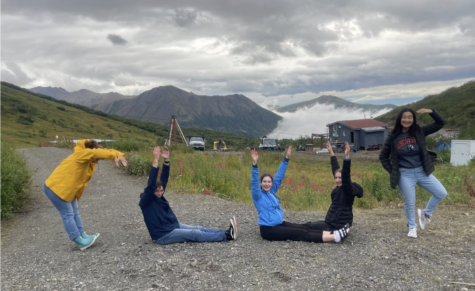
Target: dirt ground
x,y
378,255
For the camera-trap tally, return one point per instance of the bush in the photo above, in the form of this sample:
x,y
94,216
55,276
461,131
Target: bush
x,y
15,181
24,120
138,165
126,145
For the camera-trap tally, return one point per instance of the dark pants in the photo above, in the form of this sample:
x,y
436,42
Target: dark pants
x,y
291,231
320,225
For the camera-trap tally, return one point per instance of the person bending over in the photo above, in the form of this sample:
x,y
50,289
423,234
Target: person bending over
x,y
271,221
162,223
64,187
343,195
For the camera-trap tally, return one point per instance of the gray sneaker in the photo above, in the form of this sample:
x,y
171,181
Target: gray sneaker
x,y
423,218
235,228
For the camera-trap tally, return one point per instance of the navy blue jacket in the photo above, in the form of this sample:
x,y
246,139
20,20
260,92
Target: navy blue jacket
x,y
157,213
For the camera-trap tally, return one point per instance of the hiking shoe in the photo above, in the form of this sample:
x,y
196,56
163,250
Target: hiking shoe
x,y
86,236
234,223
84,243
423,218
412,232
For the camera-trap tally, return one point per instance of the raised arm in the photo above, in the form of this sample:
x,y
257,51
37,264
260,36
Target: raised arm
x,y
165,153
280,174
438,123
333,159
346,171
255,186
147,196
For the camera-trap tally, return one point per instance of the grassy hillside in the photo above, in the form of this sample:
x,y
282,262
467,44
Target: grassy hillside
x,y
30,119
456,105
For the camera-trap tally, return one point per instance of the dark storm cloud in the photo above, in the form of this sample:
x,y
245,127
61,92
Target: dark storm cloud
x,y
116,39
184,17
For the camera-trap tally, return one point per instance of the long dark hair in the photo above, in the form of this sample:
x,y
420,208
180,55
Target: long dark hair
x,y
398,127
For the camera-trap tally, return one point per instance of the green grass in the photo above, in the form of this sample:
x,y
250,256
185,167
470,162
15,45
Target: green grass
x,y
15,181
307,184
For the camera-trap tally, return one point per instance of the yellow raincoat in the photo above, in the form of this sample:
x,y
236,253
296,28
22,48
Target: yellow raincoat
x,y
72,175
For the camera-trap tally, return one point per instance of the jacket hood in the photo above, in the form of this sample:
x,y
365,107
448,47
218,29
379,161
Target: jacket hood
x,y
80,145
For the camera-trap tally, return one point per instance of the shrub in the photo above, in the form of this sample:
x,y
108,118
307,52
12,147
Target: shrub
x,y
138,165
125,145
61,108
15,181
24,120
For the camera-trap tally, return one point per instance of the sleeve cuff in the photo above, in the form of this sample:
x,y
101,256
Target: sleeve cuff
x,y
254,166
287,160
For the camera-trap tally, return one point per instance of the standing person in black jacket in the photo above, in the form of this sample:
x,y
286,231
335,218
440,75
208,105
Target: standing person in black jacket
x,y
343,195
405,157
162,223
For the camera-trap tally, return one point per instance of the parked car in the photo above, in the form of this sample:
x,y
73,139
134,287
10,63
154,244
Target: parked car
x,y
322,151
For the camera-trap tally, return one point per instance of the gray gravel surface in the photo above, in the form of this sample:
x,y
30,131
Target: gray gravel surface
x,y
37,254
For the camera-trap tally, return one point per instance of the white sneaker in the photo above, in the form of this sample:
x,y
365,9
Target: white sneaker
x,y
423,218
412,232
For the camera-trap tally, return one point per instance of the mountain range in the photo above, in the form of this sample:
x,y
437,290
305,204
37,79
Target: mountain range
x,y
83,97
337,101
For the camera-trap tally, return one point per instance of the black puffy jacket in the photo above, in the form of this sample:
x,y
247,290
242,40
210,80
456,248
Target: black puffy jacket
x,y
341,209
389,158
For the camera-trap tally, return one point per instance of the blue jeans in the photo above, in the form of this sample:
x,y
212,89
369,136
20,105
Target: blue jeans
x,y
69,213
187,233
407,186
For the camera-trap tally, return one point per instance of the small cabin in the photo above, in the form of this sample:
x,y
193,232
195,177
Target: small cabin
x,y
362,134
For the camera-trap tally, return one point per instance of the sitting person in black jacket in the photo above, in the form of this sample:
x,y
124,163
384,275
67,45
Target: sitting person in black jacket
x,y
343,195
162,223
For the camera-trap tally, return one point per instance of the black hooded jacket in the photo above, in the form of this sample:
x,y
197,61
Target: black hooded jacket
x,y
389,158
341,209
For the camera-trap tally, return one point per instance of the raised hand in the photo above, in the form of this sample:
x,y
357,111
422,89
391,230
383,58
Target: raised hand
x,y
122,160
347,150
255,156
423,110
156,153
289,152
165,153
329,148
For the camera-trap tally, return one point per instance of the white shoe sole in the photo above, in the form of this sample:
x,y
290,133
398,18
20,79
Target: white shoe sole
x,y
235,226
85,247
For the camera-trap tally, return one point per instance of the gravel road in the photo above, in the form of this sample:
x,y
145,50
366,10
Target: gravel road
x,y
37,254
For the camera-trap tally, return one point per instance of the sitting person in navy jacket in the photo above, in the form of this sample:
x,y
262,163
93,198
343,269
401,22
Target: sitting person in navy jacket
x,y
162,223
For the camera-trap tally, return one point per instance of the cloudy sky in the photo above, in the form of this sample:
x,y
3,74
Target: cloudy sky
x,y
274,52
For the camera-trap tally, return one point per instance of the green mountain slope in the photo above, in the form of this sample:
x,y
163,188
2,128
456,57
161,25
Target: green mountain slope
x,y
337,101
30,119
456,105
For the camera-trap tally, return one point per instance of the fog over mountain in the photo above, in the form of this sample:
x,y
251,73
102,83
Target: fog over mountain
x,y
304,122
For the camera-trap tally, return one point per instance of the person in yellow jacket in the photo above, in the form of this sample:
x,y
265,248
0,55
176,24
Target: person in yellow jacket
x,y
65,186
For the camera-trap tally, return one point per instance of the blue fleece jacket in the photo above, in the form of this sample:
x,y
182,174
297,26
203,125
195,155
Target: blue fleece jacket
x,y
158,215
267,203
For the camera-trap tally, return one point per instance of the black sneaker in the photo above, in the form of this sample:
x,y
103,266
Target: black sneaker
x,y
344,232
230,233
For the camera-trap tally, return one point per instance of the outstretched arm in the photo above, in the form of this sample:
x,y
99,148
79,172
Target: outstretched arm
x,y
346,171
255,186
347,150
333,159
438,123
147,196
279,176
165,153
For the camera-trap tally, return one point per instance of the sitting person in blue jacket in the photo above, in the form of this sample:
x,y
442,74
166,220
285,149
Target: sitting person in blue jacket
x,y
273,227
162,223
343,195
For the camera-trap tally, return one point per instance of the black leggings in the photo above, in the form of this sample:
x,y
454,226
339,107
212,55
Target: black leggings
x,y
293,231
320,225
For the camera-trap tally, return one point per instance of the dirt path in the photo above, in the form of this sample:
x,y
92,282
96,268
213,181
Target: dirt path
x,y
37,255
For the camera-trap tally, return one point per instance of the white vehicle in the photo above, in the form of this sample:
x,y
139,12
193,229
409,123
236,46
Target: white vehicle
x,y
197,142
322,151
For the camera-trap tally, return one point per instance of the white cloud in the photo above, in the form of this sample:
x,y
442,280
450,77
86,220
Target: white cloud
x,y
304,122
